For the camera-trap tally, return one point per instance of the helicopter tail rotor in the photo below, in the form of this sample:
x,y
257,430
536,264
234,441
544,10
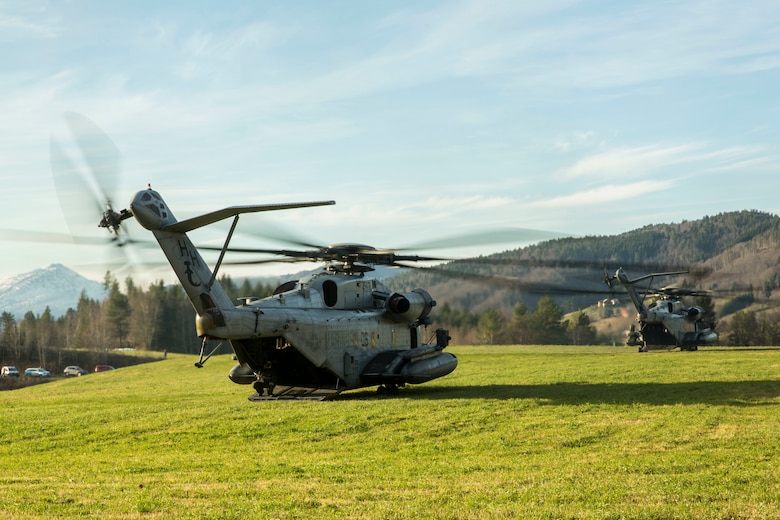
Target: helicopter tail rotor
x,y
86,188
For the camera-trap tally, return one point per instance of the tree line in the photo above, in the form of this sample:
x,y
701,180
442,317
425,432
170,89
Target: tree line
x,y
159,317
545,325
750,329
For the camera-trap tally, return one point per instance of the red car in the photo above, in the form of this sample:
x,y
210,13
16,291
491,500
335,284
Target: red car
x,y
103,368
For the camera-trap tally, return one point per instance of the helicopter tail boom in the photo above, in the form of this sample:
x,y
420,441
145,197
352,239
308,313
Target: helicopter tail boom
x,y
151,211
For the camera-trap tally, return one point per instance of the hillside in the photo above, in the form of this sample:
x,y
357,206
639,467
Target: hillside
x,y
740,249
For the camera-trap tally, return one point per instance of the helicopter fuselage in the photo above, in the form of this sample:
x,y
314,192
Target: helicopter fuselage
x,y
337,325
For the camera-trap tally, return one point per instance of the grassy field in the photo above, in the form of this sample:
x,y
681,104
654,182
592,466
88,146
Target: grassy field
x,y
514,432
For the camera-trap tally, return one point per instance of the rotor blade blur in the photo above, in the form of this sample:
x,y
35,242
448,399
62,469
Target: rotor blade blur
x,y
45,237
519,284
266,261
487,237
281,234
77,200
600,265
281,252
99,152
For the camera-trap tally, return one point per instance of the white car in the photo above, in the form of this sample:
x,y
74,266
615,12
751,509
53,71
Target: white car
x,y
73,370
9,371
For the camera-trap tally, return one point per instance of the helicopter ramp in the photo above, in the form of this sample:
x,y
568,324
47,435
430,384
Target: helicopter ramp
x,y
299,393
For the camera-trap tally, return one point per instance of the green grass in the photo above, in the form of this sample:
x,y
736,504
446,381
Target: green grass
x,y
523,432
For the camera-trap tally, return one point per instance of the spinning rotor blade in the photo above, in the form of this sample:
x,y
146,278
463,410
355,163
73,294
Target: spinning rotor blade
x,y
514,282
585,265
85,170
77,199
85,194
352,253
676,292
485,237
99,152
16,235
328,254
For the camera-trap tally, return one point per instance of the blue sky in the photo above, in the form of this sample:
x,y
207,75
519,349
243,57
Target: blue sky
x,y
421,119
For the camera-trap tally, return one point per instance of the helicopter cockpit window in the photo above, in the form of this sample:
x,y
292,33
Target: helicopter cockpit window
x,y
330,292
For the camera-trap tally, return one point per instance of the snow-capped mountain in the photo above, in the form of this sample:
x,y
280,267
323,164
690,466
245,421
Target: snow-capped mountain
x,y
55,286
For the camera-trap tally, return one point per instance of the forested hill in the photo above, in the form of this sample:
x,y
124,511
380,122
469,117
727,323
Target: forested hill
x,y
684,243
741,248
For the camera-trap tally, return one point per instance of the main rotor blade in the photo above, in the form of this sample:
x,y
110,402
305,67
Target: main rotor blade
x,y
45,237
267,261
325,253
486,237
518,283
695,270
281,234
477,238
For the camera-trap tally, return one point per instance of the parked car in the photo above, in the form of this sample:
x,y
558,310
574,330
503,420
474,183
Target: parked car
x,y
9,371
37,372
103,368
73,370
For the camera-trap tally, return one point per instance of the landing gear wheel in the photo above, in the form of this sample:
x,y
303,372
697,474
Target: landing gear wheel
x,y
389,389
264,387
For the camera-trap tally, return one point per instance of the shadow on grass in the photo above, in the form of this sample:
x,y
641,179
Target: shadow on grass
x,y
732,393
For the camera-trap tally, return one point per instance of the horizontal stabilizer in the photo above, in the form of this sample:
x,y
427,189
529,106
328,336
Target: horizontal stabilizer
x,y
215,216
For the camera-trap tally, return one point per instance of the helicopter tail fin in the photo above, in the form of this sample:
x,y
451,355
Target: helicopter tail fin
x,y
151,211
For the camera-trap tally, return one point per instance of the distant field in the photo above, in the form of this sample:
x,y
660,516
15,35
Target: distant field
x,y
523,432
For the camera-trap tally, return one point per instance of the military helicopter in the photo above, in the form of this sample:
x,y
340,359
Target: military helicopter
x,y
665,323
313,338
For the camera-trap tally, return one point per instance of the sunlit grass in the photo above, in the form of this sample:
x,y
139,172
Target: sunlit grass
x,y
525,432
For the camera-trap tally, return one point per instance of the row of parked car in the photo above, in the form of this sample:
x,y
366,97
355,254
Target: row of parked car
x,y
73,370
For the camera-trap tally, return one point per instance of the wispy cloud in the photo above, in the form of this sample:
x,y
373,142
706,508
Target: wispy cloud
x,y
699,158
23,25
604,194
630,161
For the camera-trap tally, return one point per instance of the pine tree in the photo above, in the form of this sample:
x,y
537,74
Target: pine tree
x,y
490,327
116,310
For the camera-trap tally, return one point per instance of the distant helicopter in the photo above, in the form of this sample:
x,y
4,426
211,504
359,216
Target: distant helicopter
x,y
666,322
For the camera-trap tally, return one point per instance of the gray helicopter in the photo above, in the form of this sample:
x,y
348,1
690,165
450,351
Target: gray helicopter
x,y
313,338
667,322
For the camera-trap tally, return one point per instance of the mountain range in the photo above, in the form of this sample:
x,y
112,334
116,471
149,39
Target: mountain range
x,y
56,287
